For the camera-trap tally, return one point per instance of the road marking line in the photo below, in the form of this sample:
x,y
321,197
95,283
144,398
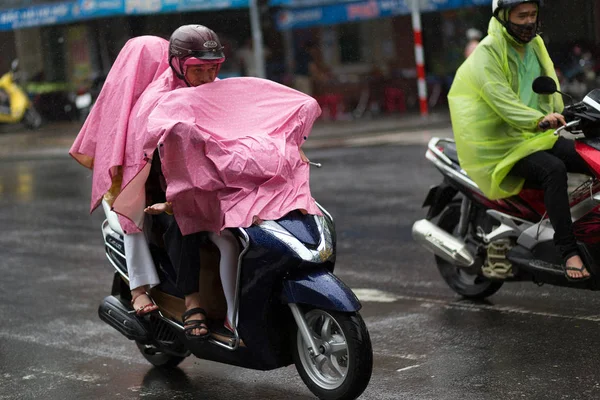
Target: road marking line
x,y
375,295
407,368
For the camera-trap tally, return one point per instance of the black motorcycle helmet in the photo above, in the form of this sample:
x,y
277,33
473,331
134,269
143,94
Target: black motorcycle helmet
x,y
196,41
501,10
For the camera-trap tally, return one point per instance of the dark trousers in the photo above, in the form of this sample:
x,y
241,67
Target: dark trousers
x,y
184,253
548,169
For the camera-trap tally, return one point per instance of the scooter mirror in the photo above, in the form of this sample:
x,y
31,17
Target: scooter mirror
x,y
544,85
14,66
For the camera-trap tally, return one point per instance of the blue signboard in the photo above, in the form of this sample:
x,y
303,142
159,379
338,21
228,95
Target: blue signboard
x,y
423,3
306,3
75,10
292,17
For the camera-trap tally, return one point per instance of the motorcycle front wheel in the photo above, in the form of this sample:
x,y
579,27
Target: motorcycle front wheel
x,y
32,118
343,367
463,282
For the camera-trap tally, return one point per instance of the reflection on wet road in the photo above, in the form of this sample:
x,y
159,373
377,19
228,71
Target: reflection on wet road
x,y
524,342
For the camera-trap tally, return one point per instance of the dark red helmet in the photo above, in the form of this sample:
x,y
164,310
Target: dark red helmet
x,y
196,41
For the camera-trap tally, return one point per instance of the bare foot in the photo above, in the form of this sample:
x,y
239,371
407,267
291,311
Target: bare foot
x,y
575,268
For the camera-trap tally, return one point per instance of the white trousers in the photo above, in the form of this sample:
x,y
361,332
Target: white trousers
x,y
140,265
228,266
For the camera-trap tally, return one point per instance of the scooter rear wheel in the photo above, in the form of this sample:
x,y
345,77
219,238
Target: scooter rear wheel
x,y
159,358
343,368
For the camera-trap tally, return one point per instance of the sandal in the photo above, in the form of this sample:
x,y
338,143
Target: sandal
x,y
145,309
577,269
190,325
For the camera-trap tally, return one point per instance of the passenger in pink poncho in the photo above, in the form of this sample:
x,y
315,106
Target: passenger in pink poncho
x,y
195,57
101,143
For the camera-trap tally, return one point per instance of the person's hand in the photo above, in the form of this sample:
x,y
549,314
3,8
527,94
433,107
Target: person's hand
x,y
552,121
159,208
303,156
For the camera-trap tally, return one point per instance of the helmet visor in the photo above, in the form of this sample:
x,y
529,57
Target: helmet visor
x,y
197,61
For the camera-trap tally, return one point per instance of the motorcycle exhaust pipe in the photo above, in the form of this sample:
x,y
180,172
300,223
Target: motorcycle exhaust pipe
x,y
441,243
114,313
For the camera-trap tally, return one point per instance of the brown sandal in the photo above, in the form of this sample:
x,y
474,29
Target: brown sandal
x,y
145,309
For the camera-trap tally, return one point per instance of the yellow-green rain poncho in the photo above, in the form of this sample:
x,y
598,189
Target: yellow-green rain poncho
x,y
492,127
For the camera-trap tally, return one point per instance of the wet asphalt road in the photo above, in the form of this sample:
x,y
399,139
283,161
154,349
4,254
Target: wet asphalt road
x,y
525,342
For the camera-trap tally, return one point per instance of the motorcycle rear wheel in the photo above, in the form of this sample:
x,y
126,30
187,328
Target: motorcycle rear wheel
x,y
347,363
466,284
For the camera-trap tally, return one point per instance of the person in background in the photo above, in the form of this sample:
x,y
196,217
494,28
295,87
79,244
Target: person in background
x,y
245,57
473,38
323,82
302,81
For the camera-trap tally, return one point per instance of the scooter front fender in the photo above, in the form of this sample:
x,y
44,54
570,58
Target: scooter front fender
x,y
320,288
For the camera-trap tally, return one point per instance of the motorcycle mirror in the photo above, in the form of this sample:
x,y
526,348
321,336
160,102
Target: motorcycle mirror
x,y
547,85
544,85
592,99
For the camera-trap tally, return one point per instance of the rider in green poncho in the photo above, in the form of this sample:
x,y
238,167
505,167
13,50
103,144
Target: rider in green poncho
x,y
496,118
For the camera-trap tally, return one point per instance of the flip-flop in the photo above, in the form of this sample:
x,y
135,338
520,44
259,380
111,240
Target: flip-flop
x,y
577,269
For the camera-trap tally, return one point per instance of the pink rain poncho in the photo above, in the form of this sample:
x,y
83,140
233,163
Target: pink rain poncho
x,y
139,151
102,140
230,153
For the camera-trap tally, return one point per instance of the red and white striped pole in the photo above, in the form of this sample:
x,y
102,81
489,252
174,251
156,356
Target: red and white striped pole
x,y
419,57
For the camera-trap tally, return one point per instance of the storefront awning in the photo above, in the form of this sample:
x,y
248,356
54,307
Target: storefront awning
x,y
76,10
307,13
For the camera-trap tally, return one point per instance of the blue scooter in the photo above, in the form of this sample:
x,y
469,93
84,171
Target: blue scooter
x,y
289,307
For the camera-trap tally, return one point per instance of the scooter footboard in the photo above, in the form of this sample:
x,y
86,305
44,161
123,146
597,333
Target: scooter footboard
x,y
322,289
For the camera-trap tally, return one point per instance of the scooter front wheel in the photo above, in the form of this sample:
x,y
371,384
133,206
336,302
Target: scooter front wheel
x,y
342,368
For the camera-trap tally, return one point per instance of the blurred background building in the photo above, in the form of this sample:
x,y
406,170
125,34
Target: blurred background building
x,y
360,53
